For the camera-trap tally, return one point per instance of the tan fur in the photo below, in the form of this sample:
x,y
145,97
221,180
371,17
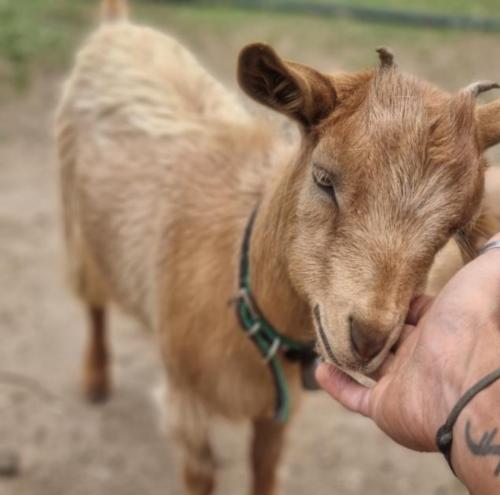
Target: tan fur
x,y
161,168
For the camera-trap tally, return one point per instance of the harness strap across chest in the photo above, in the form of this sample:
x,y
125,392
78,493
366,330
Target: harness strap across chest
x,y
262,333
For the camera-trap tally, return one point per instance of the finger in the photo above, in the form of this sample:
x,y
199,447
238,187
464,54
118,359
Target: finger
x,y
418,308
343,388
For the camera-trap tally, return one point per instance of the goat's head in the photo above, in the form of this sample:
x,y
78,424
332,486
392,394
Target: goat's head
x,y
389,170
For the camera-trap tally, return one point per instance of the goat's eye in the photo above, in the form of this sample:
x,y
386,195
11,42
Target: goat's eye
x,y
324,181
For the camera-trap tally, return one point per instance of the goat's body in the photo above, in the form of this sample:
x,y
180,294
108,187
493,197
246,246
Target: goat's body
x,y
161,168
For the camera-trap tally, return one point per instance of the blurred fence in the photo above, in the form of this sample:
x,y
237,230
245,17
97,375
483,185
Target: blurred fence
x,y
362,13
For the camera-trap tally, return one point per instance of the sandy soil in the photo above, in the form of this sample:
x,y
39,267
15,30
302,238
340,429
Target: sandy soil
x,y
67,447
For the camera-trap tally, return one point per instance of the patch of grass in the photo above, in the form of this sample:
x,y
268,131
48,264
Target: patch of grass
x,y
36,32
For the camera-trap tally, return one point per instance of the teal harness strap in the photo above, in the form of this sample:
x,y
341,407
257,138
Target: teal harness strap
x,y
266,338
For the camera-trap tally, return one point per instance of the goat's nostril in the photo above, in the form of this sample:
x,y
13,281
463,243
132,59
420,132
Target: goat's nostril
x,y
367,342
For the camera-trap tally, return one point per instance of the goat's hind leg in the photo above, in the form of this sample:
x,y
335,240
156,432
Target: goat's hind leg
x,y
88,286
96,377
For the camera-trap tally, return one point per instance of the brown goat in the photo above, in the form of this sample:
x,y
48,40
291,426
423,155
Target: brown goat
x,y
161,169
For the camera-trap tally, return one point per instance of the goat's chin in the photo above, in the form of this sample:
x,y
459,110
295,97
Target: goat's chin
x,y
356,369
361,377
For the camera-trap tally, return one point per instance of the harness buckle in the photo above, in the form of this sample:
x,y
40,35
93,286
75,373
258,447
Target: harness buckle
x,y
273,350
244,294
253,329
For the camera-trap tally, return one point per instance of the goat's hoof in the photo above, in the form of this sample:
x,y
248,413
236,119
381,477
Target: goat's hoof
x,y
97,396
96,389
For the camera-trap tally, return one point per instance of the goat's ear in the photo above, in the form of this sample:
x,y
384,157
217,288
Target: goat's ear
x,y
295,90
488,117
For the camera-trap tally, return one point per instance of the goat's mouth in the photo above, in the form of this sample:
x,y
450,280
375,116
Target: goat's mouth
x,y
352,363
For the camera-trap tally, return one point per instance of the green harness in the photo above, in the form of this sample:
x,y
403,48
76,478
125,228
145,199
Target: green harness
x,y
267,339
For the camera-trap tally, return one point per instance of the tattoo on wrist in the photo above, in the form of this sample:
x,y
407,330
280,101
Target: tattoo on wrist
x,y
485,446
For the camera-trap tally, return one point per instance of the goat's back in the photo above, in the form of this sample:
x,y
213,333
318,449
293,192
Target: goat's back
x,y
151,148
128,75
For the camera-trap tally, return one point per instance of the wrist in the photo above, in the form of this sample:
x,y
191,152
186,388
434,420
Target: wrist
x,y
477,398
475,452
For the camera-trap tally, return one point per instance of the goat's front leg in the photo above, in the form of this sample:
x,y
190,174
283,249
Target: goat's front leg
x,y
189,423
267,445
199,467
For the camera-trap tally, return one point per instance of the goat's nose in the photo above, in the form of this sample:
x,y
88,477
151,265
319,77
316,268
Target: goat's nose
x,y
366,340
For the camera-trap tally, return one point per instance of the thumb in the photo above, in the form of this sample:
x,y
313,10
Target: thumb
x,y
343,388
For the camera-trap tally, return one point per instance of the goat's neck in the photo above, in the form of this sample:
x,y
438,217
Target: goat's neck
x,y
270,281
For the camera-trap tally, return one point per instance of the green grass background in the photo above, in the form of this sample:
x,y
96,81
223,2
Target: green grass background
x,y
42,35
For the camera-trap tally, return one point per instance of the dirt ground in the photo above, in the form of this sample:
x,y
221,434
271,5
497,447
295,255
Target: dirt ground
x,y
68,447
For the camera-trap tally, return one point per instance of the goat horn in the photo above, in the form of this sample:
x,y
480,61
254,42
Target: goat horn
x,y
386,57
479,87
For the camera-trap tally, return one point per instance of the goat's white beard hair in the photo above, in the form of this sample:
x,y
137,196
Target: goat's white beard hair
x,y
358,377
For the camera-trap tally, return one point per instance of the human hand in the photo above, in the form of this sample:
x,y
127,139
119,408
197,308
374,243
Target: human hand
x,y
447,345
